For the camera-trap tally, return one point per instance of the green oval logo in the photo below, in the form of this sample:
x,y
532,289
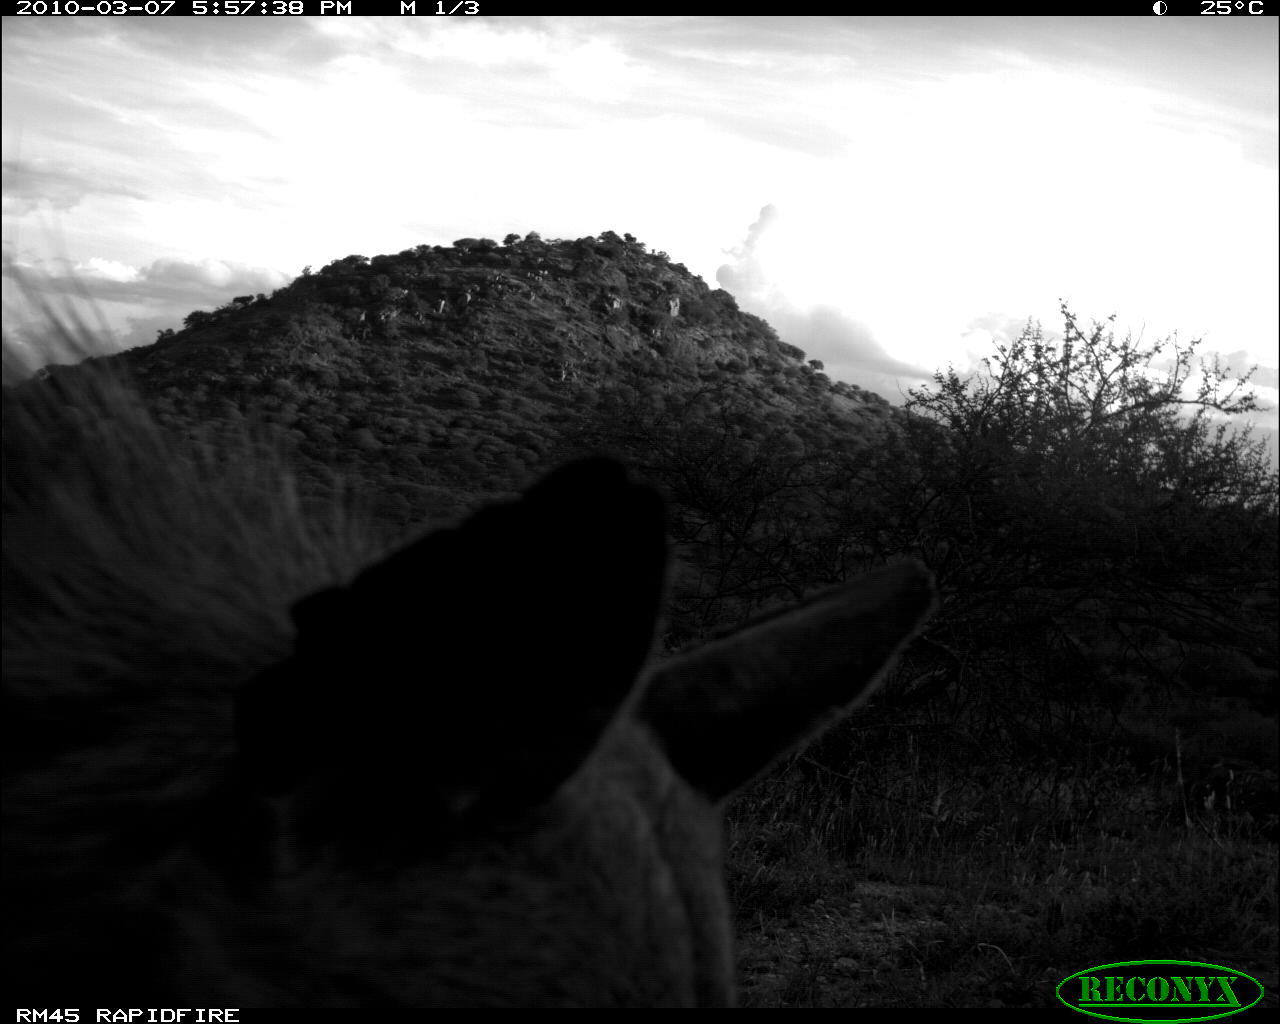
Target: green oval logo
x,y
1163,990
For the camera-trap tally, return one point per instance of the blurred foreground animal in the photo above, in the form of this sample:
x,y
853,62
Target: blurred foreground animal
x,y
248,764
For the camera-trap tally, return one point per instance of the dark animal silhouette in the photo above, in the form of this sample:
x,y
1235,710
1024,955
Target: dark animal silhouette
x,y
249,764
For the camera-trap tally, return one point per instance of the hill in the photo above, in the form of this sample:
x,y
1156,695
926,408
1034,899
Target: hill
x,y
443,375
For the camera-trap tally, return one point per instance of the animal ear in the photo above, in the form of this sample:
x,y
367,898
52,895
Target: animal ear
x,y
477,667
723,712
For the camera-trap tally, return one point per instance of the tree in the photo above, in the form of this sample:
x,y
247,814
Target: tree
x,y
1076,478
744,500
611,245
1077,437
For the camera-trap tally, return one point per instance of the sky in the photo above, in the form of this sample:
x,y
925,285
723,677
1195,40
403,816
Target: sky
x,y
894,195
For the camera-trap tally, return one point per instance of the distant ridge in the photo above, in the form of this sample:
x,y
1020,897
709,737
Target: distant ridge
x,y
442,375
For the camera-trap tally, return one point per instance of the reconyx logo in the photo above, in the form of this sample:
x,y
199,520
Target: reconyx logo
x,y
1163,990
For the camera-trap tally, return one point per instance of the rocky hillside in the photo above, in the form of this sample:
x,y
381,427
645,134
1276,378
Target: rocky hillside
x,y
443,375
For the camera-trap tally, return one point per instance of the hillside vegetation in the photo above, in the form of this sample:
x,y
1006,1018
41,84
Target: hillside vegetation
x,y
449,373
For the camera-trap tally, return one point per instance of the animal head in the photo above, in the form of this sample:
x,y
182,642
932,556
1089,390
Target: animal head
x,y
459,780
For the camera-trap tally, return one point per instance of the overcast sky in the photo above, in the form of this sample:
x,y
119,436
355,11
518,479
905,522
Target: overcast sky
x,y
891,194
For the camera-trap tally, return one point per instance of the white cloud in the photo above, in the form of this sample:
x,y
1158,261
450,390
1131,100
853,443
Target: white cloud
x,y
106,270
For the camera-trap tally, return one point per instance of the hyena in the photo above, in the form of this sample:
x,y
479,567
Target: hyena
x,y
250,764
